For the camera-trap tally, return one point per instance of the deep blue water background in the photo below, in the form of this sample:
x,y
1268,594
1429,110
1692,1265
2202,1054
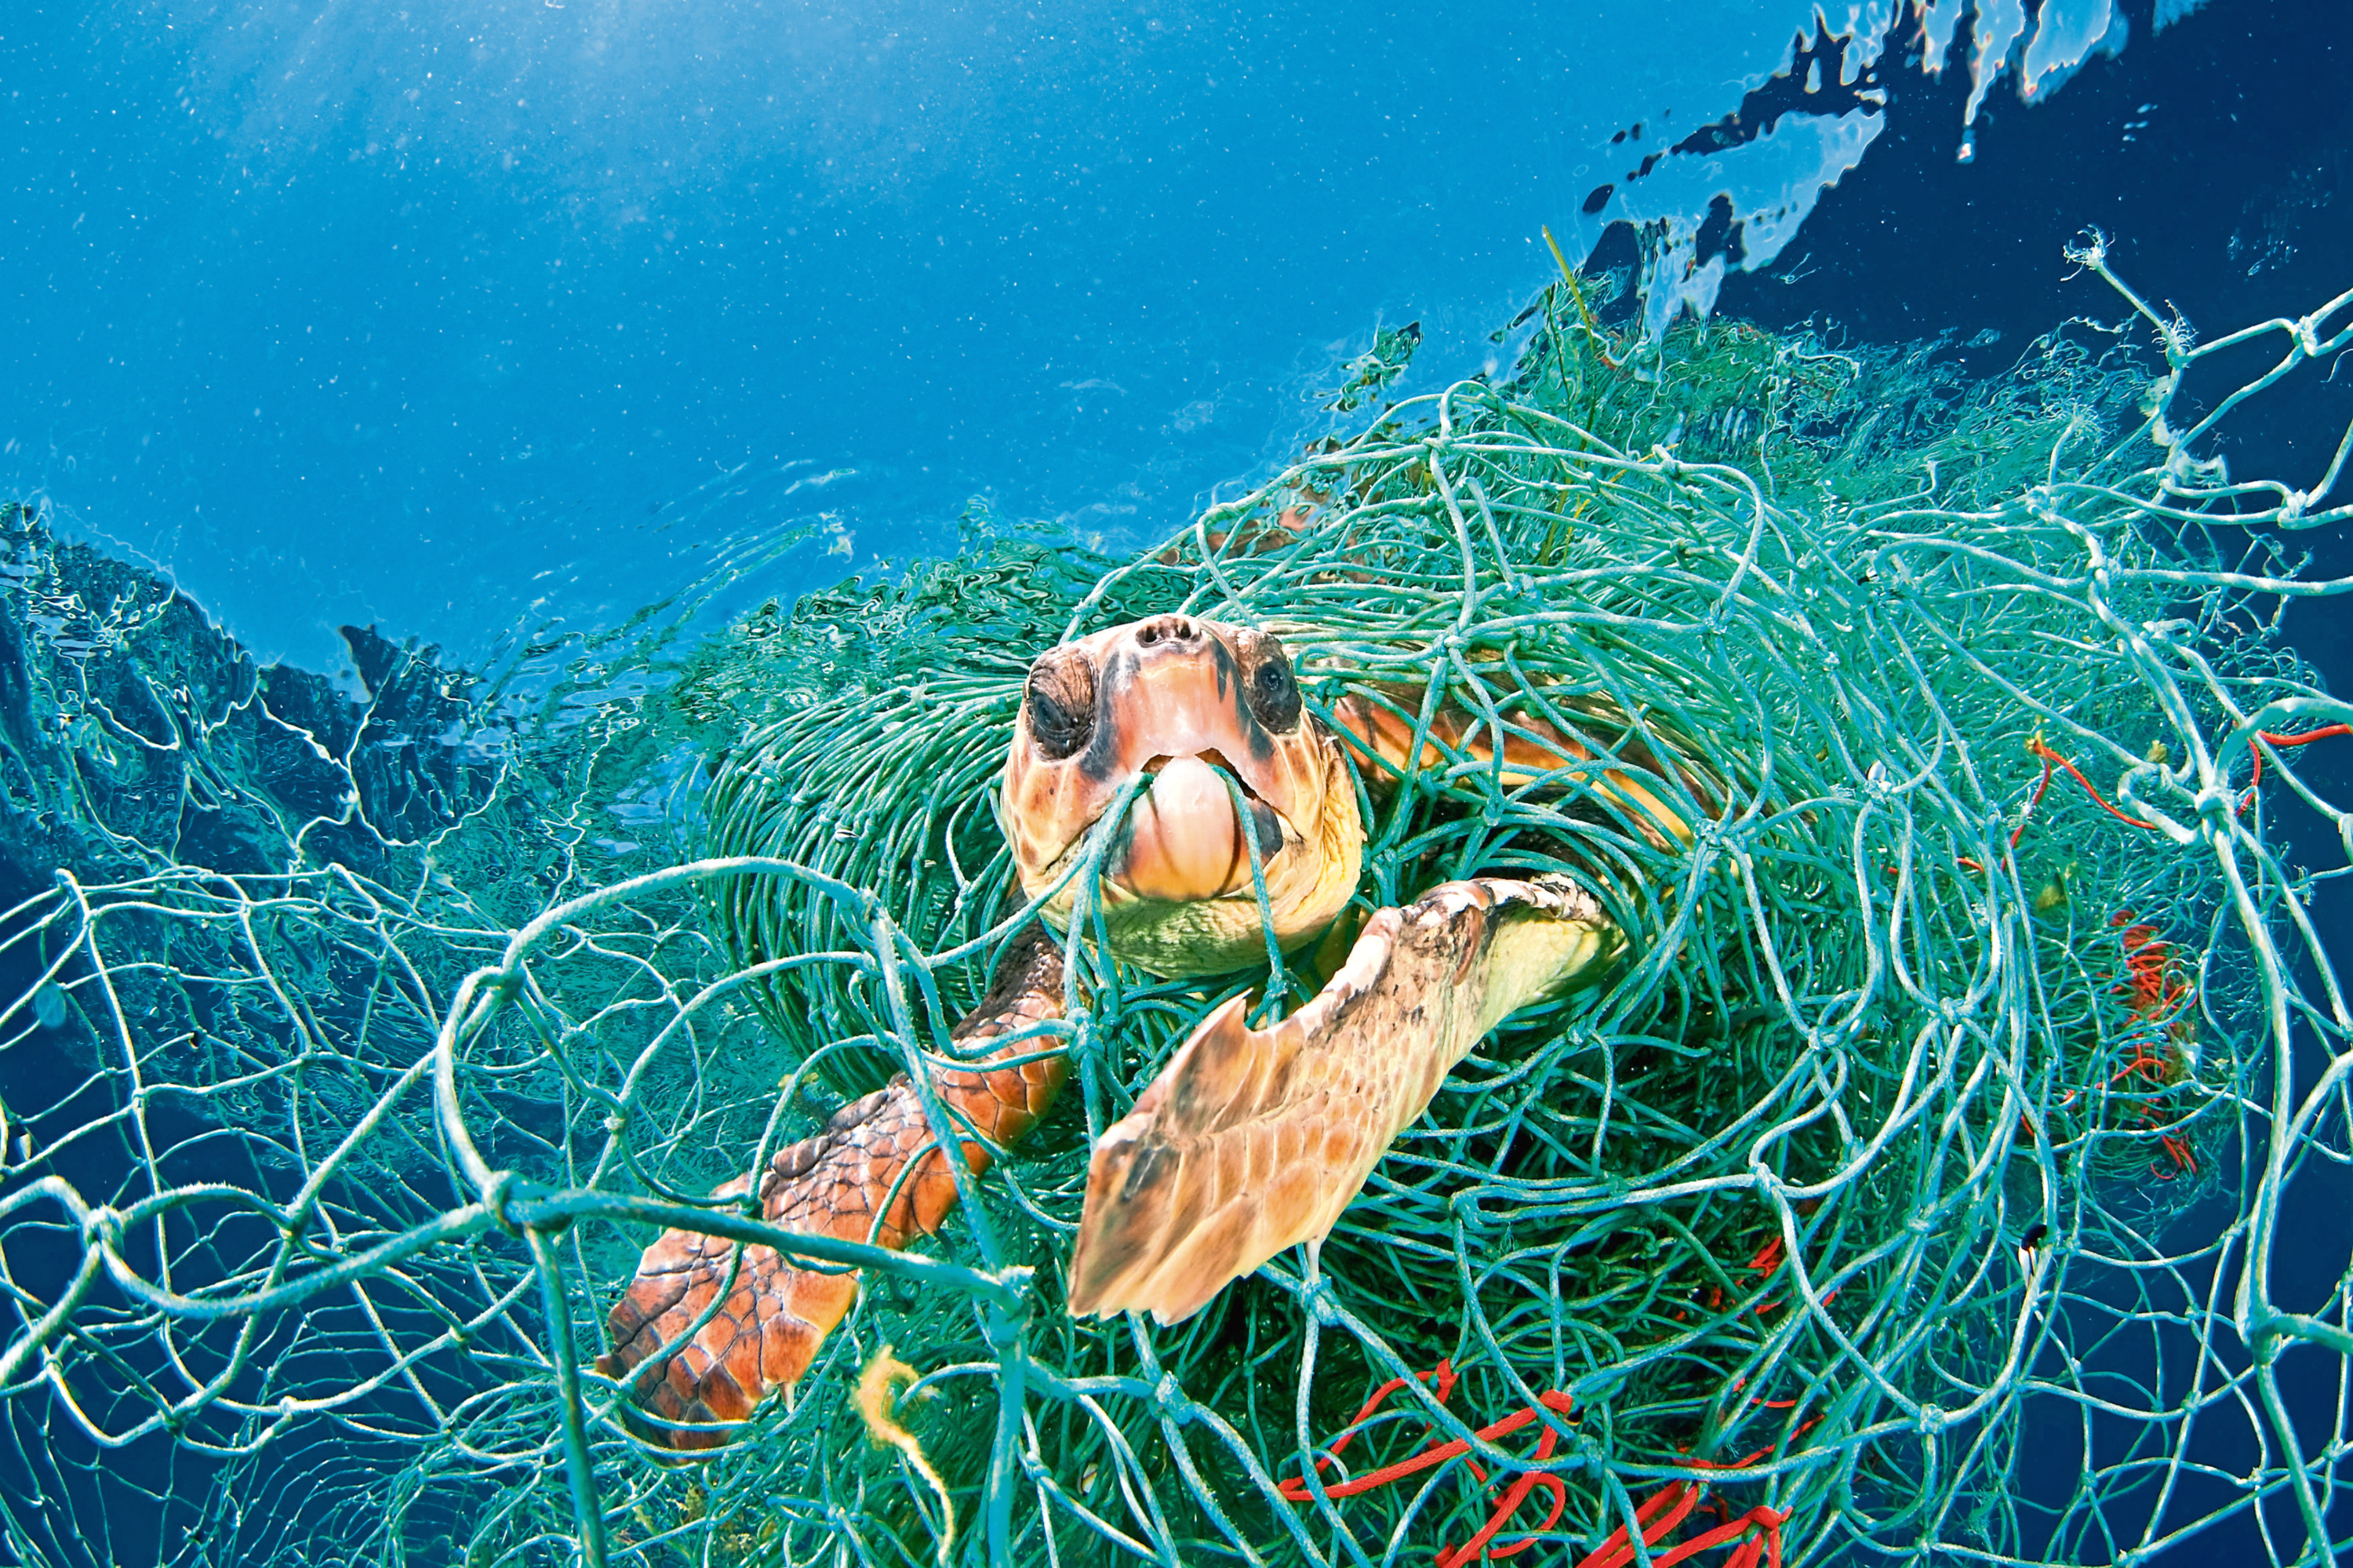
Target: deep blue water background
x,y
457,318
462,323
462,320
2220,154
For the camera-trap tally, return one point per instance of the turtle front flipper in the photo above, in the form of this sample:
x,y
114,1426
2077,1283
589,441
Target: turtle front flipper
x,y
839,1183
1252,1140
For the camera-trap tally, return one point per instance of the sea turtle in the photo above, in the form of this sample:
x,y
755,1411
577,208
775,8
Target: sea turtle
x,y
1250,1140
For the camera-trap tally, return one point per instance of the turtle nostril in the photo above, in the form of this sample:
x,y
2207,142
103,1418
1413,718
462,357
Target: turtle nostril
x,y
1165,629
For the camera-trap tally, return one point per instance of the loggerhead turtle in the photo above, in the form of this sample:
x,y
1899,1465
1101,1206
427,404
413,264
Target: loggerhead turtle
x,y
1250,1140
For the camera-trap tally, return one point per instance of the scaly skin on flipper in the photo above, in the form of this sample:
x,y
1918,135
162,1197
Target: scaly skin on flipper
x,y
1250,1140
1253,1140
833,1184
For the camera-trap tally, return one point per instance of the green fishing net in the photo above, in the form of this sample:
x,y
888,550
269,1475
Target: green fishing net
x,y
1922,1186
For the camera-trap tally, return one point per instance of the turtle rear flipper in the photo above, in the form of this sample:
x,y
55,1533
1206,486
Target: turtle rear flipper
x,y
1253,1140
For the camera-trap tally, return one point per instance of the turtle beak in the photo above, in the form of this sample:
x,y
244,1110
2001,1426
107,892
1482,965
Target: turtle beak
x,y
1183,840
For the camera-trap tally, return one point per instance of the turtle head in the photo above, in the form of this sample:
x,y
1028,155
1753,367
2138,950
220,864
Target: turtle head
x,y
1173,700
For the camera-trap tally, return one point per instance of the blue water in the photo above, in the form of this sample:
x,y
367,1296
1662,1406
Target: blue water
x,y
468,322
435,316
461,318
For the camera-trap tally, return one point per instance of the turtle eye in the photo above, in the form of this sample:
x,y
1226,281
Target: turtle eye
x,y
1061,700
1268,684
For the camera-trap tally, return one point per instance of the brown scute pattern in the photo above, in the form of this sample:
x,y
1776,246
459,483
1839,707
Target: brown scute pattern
x,y
1253,1140
833,1184
1533,746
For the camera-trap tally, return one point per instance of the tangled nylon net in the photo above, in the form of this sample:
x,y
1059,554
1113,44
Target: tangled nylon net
x,y
1933,1140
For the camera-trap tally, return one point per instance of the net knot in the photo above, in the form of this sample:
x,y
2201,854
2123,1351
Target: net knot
x,y
103,1228
1932,1420
1169,1401
497,1193
1003,1329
